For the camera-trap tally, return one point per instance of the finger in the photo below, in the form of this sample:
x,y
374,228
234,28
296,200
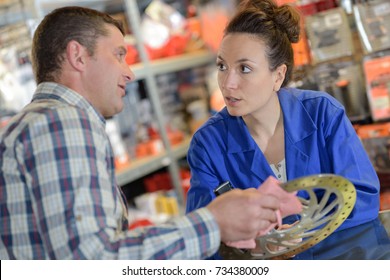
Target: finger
x,y
267,201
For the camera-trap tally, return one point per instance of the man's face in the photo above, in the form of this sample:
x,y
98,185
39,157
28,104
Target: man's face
x,y
107,74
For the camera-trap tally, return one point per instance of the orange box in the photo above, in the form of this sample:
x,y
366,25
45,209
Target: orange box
x,y
142,150
373,130
385,200
376,141
377,72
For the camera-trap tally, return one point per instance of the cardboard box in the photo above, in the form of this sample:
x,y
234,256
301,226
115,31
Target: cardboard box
x,y
376,141
377,72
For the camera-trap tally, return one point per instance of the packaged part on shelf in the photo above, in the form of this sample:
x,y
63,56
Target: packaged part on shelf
x,y
329,35
377,72
373,23
164,30
214,16
376,141
345,82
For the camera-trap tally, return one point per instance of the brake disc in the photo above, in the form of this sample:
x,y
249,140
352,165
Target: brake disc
x,y
326,203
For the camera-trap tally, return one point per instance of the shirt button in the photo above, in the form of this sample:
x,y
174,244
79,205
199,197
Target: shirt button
x,y
279,176
279,165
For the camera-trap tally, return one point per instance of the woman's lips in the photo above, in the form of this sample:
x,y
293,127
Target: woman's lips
x,y
231,101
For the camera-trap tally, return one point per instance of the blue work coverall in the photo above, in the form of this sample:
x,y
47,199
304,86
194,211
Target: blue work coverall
x,y
319,138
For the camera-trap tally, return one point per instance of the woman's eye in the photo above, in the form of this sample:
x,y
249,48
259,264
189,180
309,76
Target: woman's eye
x,y
245,69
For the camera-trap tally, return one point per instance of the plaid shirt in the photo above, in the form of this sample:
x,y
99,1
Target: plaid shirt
x,y
58,194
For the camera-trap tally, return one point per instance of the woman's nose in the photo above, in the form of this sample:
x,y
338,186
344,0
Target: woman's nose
x,y
230,80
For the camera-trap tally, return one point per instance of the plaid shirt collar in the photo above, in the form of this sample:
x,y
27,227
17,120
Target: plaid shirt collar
x,y
51,90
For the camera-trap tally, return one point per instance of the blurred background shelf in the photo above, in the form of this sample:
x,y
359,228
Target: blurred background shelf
x,y
173,64
139,168
43,7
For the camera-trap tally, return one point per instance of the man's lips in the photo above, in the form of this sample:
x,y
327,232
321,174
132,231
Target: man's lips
x,y
123,87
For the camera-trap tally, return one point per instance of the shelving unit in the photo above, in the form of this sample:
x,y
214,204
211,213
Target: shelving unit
x,y
173,64
148,72
42,7
13,11
144,166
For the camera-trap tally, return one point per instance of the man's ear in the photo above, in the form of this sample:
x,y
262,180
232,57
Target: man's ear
x,y
76,55
280,74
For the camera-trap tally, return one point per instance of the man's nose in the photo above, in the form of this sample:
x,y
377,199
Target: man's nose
x,y
129,74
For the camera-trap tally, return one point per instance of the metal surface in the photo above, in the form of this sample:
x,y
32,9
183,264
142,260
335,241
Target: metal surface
x,y
321,215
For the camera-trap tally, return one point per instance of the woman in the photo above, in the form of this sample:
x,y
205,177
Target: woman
x,y
268,129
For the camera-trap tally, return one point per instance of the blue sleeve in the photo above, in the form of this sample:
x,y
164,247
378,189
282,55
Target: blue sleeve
x,y
349,159
203,179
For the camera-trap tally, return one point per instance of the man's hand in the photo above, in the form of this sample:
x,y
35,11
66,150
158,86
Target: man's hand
x,y
241,214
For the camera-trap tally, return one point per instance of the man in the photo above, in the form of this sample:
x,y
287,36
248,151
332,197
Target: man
x,y
58,194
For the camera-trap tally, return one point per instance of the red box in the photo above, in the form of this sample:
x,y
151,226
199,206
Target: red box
x,y
376,141
323,5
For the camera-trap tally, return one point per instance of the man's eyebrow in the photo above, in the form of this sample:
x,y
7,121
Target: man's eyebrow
x,y
122,49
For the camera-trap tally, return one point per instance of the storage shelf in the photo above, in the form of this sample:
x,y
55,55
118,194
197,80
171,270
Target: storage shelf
x,y
144,166
45,6
12,12
48,5
173,63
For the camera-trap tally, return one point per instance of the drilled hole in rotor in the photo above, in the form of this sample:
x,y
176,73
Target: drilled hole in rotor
x,y
320,203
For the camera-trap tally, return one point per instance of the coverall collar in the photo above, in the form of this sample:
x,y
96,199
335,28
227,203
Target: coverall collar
x,y
292,109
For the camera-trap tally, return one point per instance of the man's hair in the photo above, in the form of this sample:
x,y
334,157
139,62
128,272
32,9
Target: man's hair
x,y
57,29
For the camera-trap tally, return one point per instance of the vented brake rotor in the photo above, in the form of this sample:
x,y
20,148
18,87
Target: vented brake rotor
x,y
322,214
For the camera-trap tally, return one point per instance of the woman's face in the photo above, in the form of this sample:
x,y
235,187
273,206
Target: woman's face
x,y
244,78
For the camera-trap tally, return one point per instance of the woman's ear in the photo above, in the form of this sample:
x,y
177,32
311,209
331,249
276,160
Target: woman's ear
x,y
76,55
279,75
